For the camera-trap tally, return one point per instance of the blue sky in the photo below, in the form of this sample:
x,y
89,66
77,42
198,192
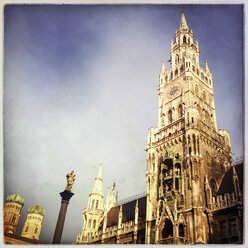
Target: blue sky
x,y
80,87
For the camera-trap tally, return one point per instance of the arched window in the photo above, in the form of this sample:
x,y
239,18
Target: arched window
x,y
13,219
176,72
170,116
180,111
202,77
93,203
36,230
26,228
171,75
194,144
189,40
97,202
181,69
94,224
184,39
210,81
181,230
186,64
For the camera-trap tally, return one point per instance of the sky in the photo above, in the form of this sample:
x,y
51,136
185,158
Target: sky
x,y
80,88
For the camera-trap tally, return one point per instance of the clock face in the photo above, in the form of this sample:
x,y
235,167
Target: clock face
x,y
173,91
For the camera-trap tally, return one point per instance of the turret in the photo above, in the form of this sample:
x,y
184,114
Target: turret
x,y
94,212
11,212
33,224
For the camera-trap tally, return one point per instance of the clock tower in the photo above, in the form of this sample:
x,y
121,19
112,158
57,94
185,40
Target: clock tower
x,y
187,155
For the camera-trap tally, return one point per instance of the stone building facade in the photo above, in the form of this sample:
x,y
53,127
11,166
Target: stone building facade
x,y
189,163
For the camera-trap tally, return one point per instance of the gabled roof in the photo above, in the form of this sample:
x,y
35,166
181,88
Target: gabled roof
x,y
128,211
226,185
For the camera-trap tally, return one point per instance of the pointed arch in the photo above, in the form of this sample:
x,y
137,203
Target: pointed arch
x,y
184,39
170,116
167,231
180,111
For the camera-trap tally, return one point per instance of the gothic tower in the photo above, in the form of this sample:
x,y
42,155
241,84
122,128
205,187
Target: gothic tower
x,y
33,224
186,155
11,212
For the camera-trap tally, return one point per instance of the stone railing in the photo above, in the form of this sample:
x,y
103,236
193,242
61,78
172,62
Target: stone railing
x,y
224,201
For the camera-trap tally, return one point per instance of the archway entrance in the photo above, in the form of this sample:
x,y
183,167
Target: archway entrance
x,y
167,232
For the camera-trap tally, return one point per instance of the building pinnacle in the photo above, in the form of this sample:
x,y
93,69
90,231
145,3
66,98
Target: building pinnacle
x,y
183,23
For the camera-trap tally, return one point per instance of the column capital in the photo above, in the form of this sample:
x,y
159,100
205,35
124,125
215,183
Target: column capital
x,y
66,195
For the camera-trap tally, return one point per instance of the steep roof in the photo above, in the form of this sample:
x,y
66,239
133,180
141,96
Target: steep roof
x,y
226,185
128,211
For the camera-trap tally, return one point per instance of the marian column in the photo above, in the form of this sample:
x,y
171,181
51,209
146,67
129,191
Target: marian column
x,y
66,196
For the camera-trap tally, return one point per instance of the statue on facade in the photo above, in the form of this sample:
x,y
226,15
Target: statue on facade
x,y
70,177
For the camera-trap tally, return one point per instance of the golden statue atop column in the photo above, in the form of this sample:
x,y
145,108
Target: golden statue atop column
x,y
70,177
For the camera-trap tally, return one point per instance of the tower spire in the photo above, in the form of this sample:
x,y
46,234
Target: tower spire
x,y
183,23
98,180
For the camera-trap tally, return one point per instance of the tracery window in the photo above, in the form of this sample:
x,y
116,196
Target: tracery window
x,y
170,116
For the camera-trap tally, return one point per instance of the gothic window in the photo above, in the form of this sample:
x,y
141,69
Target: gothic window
x,y
189,40
198,146
170,116
26,228
93,203
193,68
192,119
36,230
194,144
190,150
97,202
202,77
213,186
186,64
181,230
176,72
198,72
171,75
13,219
210,81
184,39
180,111
206,79
94,224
